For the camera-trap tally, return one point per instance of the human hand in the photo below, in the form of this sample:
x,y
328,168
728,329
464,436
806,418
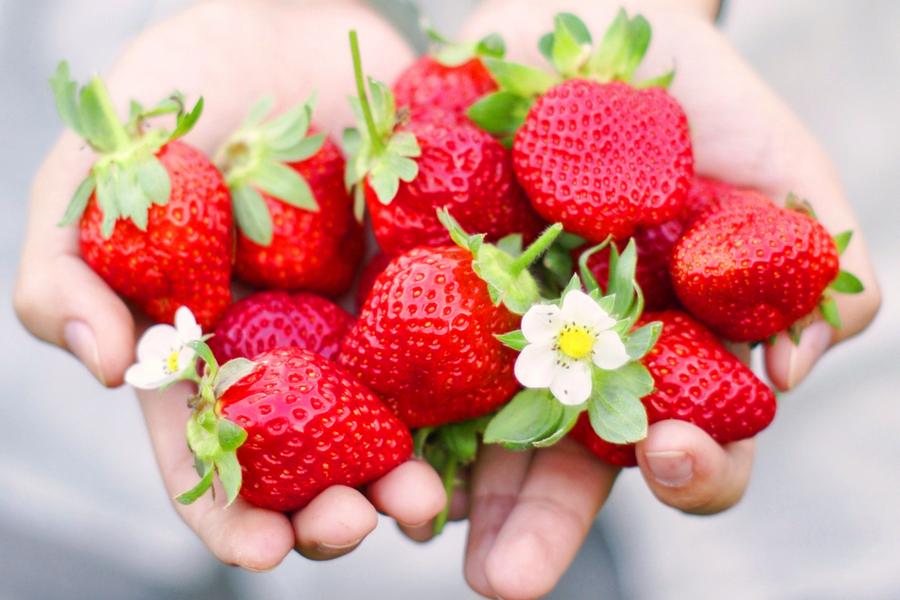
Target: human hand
x,y
529,512
62,301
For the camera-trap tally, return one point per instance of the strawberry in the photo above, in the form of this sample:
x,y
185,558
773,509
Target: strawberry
x,y
654,250
595,153
695,380
282,428
294,216
154,213
450,78
404,172
368,275
707,196
268,320
753,270
429,324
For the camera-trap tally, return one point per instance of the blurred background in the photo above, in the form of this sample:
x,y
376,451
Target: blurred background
x,y
83,513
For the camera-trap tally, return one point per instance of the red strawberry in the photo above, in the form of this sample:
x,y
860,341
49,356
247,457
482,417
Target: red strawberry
x,y
367,277
299,424
425,338
594,153
155,215
405,172
450,78
707,196
654,250
754,270
463,169
696,380
268,320
295,218
428,325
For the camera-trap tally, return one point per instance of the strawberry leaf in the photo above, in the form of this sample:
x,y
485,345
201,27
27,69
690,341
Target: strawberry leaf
x,y
514,339
524,81
284,183
847,283
615,409
229,471
230,435
252,214
842,240
78,202
566,423
643,339
190,496
500,113
230,373
532,414
828,308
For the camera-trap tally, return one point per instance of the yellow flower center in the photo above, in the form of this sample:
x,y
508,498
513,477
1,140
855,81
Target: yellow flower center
x,y
575,341
172,362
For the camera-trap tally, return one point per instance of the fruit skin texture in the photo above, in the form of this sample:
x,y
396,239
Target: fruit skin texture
x,y
427,85
424,340
654,247
310,425
603,159
461,168
268,320
313,251
367,277
184,256
707,196
749,272
698,381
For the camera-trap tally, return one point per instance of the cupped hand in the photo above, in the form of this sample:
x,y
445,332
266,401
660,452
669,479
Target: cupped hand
x,y
277,51
530,512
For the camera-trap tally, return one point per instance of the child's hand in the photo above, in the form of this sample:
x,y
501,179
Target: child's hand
x,y
232,53
529,512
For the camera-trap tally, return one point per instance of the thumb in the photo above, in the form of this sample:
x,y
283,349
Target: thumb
x,y
62,301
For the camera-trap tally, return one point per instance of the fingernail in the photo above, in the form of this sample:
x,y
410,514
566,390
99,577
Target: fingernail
x,y
334,548
416,525
80,340
671,468
814,340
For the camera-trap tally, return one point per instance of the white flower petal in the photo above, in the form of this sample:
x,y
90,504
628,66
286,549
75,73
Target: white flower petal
x,y
572,385
185,357
581,309
536,366
148,375
541,323
609,352
186,324
157,343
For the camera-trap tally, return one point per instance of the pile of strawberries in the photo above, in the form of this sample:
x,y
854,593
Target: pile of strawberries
x,y
525,221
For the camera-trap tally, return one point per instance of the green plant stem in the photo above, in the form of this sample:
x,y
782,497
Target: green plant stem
x,y
448,476
377,144
536,248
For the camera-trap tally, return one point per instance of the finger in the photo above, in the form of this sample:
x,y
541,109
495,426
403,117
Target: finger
x,y
563,490
411,493
241,534
334,523
688,470
788,363
497,477
424,531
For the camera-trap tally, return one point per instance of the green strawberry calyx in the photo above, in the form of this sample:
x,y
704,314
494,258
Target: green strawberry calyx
x,y
127,176
454,54
448,448
570,50
589,333
212,438
376,153
844,283
503,267
257,158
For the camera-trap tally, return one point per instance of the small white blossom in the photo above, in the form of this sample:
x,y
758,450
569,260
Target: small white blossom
x,y
163,354
562,344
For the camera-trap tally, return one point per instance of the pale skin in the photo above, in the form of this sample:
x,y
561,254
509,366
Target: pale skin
x,y
529,512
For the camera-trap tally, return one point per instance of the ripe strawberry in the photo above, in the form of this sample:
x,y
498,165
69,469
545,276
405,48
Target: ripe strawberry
x,y
751,271
449,79
288,425
295,218
268,320
154,213
456,166
367,277
654,250
429,325
707,196
594,153
696,380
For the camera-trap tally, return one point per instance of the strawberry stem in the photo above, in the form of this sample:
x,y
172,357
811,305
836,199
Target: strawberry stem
x,y
110,120
448,477
537,247
377,144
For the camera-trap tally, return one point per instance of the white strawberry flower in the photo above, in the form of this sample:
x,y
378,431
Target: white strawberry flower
x,y
563,343
163,354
